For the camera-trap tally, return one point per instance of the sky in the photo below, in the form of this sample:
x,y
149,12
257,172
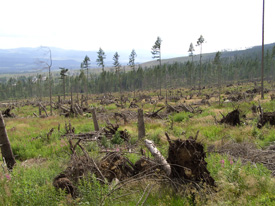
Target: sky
x,y
117,25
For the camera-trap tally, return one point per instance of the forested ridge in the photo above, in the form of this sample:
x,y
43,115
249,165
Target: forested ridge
x,y
238,68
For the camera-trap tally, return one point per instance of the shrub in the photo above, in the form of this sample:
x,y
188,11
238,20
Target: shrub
x,y
117,139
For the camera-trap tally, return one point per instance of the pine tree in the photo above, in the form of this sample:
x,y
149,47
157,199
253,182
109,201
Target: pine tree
x,y
100,59
85,65
63,77
117,68
191,50
217,62
132,64
156,52
132,57
199,43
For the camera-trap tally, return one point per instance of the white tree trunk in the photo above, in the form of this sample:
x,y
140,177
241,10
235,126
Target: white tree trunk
x,y
158,156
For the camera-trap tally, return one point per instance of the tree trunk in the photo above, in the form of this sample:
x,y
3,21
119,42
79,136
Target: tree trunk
x,y
5,145
141,127
262,69
95,120
158,156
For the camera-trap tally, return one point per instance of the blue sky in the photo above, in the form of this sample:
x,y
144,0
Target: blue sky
x,y
135,24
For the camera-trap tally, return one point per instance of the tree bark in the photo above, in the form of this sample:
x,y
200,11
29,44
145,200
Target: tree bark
x,y
141,127
95,120
158,156
5,145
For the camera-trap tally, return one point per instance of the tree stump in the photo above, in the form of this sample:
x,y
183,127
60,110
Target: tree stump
x,y
5,145
141,127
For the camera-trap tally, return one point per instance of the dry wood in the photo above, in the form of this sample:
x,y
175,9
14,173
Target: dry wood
x,y
95,120
44,108
155,114
6,150
141,127
158,156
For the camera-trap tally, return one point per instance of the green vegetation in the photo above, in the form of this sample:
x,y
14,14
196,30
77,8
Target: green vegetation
x,y
41,157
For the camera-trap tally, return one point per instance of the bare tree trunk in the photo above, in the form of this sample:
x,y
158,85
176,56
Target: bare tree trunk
x,y
50,85
64,88
262,79
158,156
95,120
141,127
5,144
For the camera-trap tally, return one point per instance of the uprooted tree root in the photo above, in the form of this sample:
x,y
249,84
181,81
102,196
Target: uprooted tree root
x,y
265,118
232,118
186,158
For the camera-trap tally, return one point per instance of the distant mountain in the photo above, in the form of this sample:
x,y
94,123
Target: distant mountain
x,y
26,60
253,52
22,60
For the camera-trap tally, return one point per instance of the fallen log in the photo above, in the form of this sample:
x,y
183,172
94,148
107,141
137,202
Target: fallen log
x,y
155,114
158,156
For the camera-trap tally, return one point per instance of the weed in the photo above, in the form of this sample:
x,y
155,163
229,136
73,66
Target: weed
x,y
117,139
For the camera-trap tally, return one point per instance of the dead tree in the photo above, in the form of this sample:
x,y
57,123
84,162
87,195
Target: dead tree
x,y
158,156
6,150
141,127
95,120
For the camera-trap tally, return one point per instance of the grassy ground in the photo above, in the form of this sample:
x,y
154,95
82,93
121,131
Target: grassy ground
x,y
40,159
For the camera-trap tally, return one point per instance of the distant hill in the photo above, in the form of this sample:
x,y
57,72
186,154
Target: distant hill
x,y
23,60
252,52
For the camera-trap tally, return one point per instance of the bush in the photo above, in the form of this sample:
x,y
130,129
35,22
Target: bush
x,y
117,139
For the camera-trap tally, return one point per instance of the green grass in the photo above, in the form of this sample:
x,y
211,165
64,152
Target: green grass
x,y
237,183
182,116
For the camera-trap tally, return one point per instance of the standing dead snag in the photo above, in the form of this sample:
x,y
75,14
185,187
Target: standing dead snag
x,y
141,127
5,144
95,120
